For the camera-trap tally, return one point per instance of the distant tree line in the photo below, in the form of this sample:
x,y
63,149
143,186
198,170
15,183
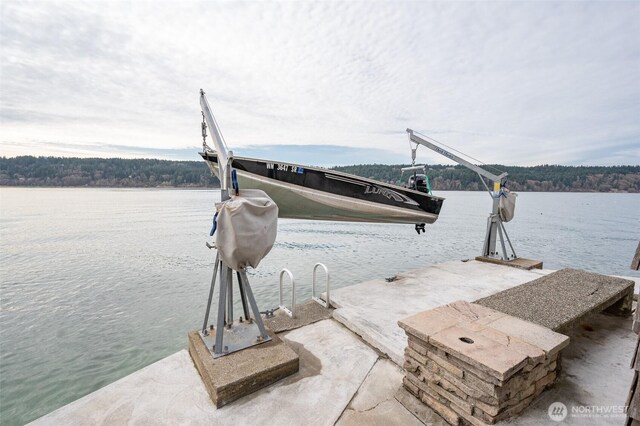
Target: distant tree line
x,y
537,178
104,172
116,172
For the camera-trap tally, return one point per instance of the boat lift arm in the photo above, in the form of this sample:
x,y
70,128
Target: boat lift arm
x,y
479,170
225,157
495,226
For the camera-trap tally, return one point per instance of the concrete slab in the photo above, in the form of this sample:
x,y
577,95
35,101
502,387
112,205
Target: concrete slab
x,y
388,413
168,391
375,402
520,262
561,299
240,373
306,313
373,308
333,365
595,376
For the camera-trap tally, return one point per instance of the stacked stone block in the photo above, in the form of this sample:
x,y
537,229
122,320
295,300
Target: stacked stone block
x,y
474,365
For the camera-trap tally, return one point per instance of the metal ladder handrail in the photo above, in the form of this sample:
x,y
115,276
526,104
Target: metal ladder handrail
x,y
286,310
327,303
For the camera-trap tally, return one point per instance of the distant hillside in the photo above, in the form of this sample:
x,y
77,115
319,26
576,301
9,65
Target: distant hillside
x,y
114,172
101,172
537,178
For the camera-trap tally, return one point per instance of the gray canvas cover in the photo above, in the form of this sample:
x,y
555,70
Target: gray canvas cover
x,y
507,205
247,228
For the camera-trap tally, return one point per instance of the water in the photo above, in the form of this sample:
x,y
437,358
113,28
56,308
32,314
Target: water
x,y
97,283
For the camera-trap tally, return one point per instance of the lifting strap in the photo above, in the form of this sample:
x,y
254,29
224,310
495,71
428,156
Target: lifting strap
x,y
215,224
236,188
234,181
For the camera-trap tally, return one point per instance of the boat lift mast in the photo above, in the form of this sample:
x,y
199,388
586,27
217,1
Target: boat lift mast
x,y
495,226
228,335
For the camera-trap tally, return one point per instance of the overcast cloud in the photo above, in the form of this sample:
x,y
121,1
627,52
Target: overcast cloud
x,y
515,83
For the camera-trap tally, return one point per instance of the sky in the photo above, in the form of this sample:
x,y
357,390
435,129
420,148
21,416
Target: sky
x,y
323,83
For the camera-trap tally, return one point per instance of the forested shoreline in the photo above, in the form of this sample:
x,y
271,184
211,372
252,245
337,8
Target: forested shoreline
x,y
152,173
544,178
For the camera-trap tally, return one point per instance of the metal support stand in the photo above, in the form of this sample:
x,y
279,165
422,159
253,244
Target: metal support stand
x,y
227,378
228,335
495,228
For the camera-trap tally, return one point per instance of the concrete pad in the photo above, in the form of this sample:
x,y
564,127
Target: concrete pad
x,y
595,372
561,299
375,402
333,365
373,308
381,384
306,313
387,413
520,262
240,373
169,391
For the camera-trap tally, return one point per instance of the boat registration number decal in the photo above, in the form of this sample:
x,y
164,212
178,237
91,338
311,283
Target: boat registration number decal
x,y
285,168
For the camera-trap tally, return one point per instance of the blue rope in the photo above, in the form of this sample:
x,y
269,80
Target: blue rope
x,y
234,181
215,224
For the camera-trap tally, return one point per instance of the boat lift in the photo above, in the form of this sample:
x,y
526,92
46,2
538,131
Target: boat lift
x,y
228,335
495,225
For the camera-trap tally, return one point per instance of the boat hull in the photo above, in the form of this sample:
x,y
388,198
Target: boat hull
x,y
311,193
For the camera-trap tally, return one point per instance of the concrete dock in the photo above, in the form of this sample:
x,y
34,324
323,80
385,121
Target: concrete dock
x,y
350,370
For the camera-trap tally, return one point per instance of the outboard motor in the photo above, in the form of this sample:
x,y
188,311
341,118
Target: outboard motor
x,y
419,183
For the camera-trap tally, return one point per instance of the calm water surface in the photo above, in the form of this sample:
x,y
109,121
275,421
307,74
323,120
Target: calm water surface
x,y
97,283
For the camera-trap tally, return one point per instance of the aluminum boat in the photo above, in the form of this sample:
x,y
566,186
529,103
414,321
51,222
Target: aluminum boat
x,y
314,193
304,192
